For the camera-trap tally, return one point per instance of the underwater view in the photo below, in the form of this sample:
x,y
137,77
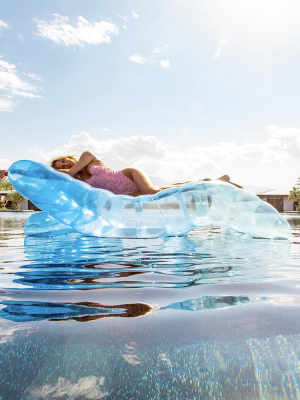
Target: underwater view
x,y
213,314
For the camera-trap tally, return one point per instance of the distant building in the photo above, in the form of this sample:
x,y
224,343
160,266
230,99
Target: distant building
x,y
279,199
24,205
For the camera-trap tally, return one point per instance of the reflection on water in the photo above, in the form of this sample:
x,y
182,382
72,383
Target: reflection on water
x,y
87,311
83,312
66,263
214,314
294,222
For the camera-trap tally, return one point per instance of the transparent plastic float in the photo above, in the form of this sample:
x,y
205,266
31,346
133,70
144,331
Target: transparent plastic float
x,y
70,206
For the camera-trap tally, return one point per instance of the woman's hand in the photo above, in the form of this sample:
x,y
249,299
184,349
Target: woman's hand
x,y
83,161
3,173
66,171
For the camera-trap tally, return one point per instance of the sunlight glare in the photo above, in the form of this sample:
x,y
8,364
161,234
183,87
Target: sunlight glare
x,y
256,21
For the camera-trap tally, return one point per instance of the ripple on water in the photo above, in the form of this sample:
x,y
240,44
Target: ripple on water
x,y
204,258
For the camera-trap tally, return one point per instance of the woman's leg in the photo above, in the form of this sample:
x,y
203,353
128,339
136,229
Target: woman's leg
x,y
141,180
145,185
224,178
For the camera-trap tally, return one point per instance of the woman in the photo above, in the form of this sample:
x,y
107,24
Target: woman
x,y
130,181
93,171
90,169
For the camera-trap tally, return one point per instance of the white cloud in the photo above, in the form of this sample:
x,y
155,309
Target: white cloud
x,y
142,60
6,104
285,142
157,50
146,152
135,15
224,39
5,162
8,333
83,32
124,26
138,59
132,359
21,38
274,162
165,63
104,130
4,24
130,355
12,87
33,76
86,387
117,152
123,17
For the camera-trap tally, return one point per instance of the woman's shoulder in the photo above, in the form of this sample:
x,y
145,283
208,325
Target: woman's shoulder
x,y
90,158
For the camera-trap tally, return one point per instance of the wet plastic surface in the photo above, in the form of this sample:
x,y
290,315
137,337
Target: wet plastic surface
x,y
74,206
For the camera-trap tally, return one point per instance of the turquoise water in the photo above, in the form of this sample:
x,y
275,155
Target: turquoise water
x,y
213,314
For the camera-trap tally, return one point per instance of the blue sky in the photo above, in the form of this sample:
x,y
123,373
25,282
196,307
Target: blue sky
x,y
182,89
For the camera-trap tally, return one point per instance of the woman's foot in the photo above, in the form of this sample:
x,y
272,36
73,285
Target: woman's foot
x,y
226,178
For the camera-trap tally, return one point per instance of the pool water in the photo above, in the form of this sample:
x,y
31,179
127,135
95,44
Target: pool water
x,y
213,314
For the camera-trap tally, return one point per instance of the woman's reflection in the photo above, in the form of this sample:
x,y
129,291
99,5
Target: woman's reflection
x,y
24,311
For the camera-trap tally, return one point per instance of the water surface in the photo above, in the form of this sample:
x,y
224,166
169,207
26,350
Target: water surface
x,y
214,314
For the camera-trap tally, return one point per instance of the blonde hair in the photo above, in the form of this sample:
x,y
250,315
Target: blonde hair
x,y
53,161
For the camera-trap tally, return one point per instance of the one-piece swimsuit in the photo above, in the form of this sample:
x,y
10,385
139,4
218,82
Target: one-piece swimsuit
x,y
114,181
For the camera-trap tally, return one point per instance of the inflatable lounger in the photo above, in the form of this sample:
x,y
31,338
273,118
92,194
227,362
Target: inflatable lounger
x,y
74,206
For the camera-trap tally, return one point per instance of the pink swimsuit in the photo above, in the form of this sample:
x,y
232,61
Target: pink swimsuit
x,y
114,181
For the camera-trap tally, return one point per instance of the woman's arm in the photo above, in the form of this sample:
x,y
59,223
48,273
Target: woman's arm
x,y
84,160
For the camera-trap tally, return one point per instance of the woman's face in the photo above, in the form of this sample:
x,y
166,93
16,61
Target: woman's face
x,y
64,163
